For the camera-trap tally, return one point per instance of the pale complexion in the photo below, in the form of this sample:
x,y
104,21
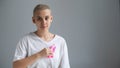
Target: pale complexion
x,y
42,19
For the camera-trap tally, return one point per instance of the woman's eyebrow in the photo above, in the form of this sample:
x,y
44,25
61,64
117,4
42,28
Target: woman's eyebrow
x,y
46,16
39,17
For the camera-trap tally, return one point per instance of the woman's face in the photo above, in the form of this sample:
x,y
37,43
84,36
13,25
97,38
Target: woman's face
x,y
42,19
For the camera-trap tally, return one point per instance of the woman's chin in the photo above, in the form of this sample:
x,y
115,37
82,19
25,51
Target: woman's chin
x,y
44,28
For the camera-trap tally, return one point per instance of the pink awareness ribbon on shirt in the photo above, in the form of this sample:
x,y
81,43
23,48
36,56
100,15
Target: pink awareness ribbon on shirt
x,y
53,47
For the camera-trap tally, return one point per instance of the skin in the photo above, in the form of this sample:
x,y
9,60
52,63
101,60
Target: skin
x,y
42,19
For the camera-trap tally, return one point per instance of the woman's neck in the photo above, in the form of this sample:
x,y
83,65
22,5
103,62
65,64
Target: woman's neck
x,y
45,35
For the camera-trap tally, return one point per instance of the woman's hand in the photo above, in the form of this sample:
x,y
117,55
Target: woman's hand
x,y
46,52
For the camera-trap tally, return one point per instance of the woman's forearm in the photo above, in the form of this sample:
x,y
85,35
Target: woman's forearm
x,y
23,63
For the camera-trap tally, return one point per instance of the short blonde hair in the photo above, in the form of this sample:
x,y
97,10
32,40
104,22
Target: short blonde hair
x,y
40,7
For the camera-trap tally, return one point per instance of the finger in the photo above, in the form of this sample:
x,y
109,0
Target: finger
x,y
50,53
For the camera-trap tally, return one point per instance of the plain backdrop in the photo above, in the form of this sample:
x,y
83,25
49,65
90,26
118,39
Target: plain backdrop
x,y
90,27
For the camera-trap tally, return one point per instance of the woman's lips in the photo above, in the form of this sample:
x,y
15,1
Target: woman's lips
x,y
43,26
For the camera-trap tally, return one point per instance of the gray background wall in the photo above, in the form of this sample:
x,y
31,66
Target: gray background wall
x,y
90,27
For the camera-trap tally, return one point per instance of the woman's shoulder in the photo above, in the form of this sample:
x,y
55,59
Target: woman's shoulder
x,y
27,36
60,37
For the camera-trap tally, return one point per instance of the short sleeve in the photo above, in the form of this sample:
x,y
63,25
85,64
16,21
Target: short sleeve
x,y
65,59
21,50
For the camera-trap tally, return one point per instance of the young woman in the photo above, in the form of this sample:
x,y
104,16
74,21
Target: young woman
x,y
35,50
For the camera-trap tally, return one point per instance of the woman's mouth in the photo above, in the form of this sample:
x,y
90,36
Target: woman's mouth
x,y
44,26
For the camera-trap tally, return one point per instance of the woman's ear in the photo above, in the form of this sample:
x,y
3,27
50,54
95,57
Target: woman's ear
x,y
51,18
33,19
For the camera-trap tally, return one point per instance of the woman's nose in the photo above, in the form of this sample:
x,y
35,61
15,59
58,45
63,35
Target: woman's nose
x,y
44,21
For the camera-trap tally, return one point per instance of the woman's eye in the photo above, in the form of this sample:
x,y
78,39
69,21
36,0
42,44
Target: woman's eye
x,y
46,18
39,19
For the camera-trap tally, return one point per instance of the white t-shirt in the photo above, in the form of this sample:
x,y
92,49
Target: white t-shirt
x,y
31,44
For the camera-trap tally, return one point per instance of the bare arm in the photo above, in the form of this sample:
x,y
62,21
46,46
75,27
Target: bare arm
x,y
23,63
